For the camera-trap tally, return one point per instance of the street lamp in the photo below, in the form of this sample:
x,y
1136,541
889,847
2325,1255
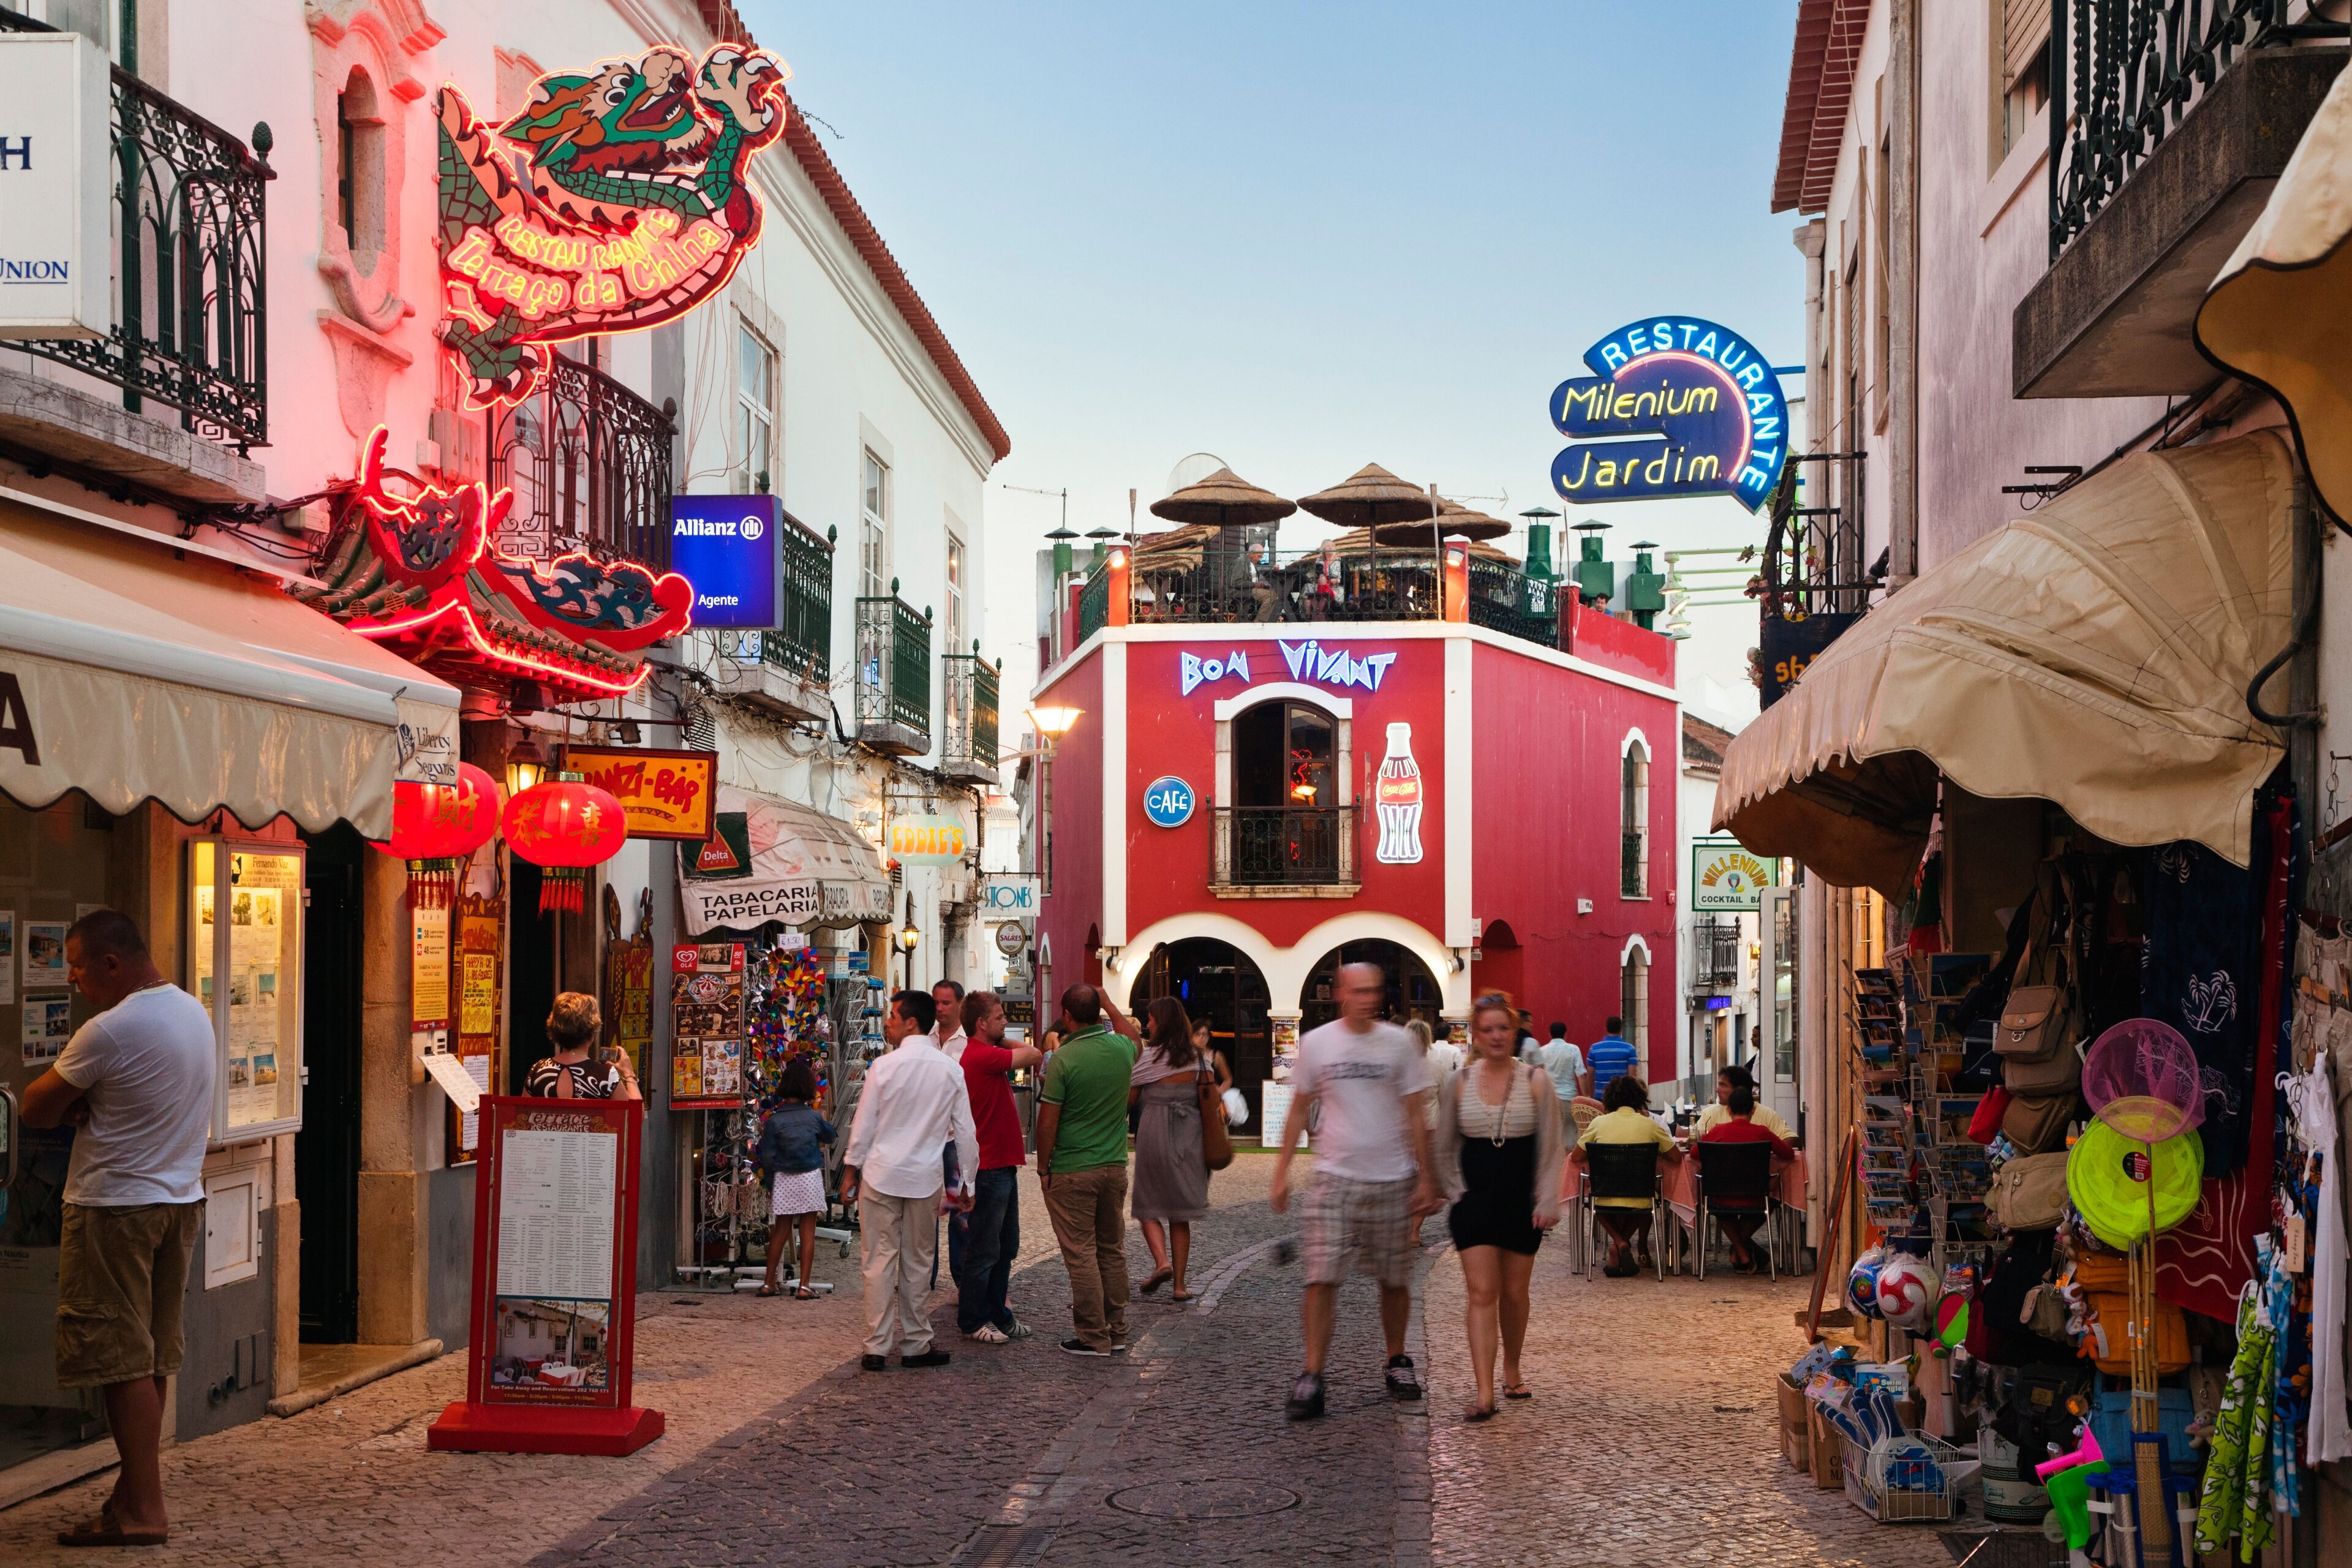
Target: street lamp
x,y
526,764
908,939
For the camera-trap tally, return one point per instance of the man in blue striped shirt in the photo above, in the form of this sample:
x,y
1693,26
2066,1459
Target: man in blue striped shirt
x,y
1611,1057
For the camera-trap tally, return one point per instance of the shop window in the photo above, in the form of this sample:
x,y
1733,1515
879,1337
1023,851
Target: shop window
x,y
1284,820
1633,998
755,412
874,528
1633,822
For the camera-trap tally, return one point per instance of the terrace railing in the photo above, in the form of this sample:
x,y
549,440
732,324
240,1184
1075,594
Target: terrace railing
x,y
893,669
968,712
1285,845
1375,586
589,463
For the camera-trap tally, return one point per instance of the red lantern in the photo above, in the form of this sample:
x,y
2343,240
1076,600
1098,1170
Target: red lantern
x,y
435,826
563,828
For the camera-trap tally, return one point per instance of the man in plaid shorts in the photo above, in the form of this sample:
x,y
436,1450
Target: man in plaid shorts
x,y
1364,1086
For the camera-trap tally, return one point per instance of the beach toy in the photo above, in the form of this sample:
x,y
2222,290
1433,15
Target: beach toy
x,y
2107,1176
2070,1499
1951,1322
2141,1078
1862,1284
2086,1452
1907,1290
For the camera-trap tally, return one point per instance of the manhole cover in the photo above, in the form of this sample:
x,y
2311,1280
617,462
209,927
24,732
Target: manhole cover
x,y
1204,1499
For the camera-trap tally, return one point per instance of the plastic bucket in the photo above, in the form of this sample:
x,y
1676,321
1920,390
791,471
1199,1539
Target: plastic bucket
x,y
2014,1499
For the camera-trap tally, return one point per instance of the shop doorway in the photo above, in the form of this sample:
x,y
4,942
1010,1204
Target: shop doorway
x,y
327,1149
1217,980
1413,990
531,972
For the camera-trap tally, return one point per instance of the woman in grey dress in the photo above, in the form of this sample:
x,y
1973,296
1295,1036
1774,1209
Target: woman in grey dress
x,y
1172,1181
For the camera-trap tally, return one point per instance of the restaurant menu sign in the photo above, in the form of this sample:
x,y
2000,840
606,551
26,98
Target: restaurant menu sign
x,y
664,794
1675,406
706,1000
554,1282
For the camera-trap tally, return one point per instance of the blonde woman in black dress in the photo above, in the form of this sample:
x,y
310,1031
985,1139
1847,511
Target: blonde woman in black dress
x,y
1502,1159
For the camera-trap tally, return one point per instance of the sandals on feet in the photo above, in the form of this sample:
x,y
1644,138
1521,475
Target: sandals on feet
x,y
1517,1391
803,1294
1159,1276
771,1291
1477,1414
1181,1297
107,1530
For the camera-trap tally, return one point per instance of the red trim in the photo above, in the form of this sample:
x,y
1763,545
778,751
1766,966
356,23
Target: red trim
x,y
509,663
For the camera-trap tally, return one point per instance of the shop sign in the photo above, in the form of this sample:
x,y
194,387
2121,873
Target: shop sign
x,y
1010,895
726,547
1167,801
1193,670
635,206
57,183
706,999
1011,938
664,794
1787,644
1675,406
1728,878
927,840
1310,660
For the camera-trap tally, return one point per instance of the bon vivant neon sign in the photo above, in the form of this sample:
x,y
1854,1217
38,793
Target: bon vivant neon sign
x,y
1706,396
1308,660
618,200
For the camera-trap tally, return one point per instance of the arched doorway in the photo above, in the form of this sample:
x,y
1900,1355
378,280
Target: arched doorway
x,y
1413,991
1217,980
1499,964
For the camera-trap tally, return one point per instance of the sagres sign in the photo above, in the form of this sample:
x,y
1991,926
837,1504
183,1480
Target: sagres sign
x,y
1675,406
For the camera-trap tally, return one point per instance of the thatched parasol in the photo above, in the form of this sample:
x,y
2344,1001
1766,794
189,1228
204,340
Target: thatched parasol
x,y
1368,498
1455,520
1224,499
1367,542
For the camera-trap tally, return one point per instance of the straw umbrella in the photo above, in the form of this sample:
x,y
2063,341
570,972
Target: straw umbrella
x,y
1453,521
1225,501
1371,497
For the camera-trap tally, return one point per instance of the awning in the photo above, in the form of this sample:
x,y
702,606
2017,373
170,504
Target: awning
x,y
2280,313
199,686
771,860
2095,653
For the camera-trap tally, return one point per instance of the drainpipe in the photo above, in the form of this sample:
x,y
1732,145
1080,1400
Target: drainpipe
x,y
1902,370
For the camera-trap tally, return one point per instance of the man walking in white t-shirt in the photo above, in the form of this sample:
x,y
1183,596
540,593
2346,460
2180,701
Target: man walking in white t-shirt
x,y
1365,1088
137,1082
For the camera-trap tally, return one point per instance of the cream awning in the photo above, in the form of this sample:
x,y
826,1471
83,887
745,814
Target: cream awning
x,y
2280,313
806,869
190,682
2095,653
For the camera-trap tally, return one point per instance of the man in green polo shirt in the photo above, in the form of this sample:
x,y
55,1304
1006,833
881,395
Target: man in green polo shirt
x,y
1082,1164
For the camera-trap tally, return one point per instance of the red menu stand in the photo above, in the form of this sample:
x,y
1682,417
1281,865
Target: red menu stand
x,y
554,1290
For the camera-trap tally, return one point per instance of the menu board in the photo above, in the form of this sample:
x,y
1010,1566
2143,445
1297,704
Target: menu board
x,y
555,1214
245,965
428,967
706,992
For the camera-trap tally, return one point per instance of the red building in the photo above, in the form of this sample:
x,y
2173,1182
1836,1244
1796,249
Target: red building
x,y
1242,806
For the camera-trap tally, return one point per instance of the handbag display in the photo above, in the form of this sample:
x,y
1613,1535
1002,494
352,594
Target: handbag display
x,y
2061,1072
1216,1143
2029,1193
2036,1124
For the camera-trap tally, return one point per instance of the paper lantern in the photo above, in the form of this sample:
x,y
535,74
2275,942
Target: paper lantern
x,y
563,828
435,826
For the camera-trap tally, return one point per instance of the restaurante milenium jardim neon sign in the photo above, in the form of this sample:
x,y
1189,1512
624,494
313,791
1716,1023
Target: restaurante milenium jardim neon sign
x,y
1706,399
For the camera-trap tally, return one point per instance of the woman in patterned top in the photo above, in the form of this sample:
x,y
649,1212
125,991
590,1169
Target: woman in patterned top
x,y
569,1073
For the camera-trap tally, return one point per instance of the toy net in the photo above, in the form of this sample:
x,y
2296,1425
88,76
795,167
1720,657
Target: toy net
x,y
2141,1079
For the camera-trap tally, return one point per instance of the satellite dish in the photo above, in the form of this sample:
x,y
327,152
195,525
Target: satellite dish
x,y
1191,470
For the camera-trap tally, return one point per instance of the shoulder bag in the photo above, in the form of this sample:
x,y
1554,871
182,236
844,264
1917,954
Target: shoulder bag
x,y
1216,1143
2037,1123
2029,1193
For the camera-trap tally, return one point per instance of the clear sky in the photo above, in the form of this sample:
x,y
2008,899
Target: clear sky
x,y
1308,235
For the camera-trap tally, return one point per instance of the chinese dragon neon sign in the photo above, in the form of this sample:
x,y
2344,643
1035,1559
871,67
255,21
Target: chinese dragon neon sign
x,y
618,200
419,572
1707,401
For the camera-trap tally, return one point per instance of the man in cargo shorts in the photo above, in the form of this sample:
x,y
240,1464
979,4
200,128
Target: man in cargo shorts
x,y
136,1081
1366,1088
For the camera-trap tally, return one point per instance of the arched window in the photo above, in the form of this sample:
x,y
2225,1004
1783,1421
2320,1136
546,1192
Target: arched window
x,y
1633,822
1633,998
1286,823
358,171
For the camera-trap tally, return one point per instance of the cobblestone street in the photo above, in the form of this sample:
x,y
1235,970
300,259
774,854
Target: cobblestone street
x,y
1650,1440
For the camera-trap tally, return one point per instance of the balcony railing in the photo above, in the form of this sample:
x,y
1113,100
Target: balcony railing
x,y
1714,955
2126,71
1209,586
894,675
1289,847
967,715
1093,603
589,463
190,270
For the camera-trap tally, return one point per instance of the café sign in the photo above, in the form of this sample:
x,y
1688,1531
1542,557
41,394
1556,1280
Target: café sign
x,y
1675,406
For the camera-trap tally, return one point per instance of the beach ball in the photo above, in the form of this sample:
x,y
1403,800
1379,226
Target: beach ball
x,y
1907,1292
1861,1285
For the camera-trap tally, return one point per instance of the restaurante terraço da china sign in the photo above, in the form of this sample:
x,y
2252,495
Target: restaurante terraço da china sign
x,y
1675,406
618,199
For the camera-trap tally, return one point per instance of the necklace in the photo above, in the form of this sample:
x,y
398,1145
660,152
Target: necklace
x,y
1502,1111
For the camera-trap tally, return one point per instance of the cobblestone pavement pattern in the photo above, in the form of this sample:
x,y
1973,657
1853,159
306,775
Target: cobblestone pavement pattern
x,y
1650,1441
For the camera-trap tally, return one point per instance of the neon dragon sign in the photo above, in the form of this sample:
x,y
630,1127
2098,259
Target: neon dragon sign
x,y
619,199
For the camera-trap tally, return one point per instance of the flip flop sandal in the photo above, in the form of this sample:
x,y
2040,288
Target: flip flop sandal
x,y
107,1530
1477,1414
1517,1391
1159,1276
767,1291
804,1294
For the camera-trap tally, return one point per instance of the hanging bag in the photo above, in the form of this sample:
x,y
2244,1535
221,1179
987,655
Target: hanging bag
x,y
2029,1193
1216,1143
2037,1124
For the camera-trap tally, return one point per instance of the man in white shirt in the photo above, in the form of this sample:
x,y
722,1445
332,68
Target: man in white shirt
x,y
946,997
912,1102
1565,1063
1365,1088
137,1081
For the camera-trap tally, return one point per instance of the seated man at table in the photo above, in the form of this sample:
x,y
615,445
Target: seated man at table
x,y
1730,1078
1743,1122
1626,1120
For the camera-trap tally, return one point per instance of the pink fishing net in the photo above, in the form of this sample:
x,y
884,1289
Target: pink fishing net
x,y
2141,1079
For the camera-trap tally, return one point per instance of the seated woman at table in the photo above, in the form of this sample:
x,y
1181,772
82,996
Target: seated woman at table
x,y
1626,1120
1736,1076
1743,1122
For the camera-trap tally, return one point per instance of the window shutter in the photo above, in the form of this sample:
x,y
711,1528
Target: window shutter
x,y
2025,32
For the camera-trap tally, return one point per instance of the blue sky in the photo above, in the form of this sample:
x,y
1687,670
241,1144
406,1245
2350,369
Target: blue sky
x,y
1305,236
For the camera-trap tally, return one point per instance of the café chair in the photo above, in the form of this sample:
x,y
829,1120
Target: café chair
x,y
1622,1171
1735,1178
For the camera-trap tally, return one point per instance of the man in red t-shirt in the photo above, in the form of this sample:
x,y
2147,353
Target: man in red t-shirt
x,y
1739,1128
994,1238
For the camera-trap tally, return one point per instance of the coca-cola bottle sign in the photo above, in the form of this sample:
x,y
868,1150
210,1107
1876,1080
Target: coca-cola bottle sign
x,y
1397,800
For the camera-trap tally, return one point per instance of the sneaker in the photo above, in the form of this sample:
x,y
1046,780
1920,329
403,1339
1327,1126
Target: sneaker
x,y
932,1357
1402,1383
1120,1347
873,1364
1077,1346
1017,1329
1306,1398
988,1334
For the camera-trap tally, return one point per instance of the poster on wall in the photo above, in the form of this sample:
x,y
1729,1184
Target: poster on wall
x,y
474,1034
48,1025
45,954
428,973
706,992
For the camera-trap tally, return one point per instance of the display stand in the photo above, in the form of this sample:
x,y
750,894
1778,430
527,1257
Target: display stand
x,y
555,1302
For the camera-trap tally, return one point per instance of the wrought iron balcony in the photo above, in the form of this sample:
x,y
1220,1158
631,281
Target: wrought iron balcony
x,y
788,669
190,267
1093,603
968,716
1286,848
589,463
894,676
1714,956
1634,866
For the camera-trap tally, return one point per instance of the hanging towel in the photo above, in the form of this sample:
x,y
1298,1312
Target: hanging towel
x,y
2329,1436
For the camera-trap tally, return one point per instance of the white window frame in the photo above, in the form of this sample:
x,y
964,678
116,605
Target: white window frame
x,y
760,451
1634,740
873,526
959,558
1637,1022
